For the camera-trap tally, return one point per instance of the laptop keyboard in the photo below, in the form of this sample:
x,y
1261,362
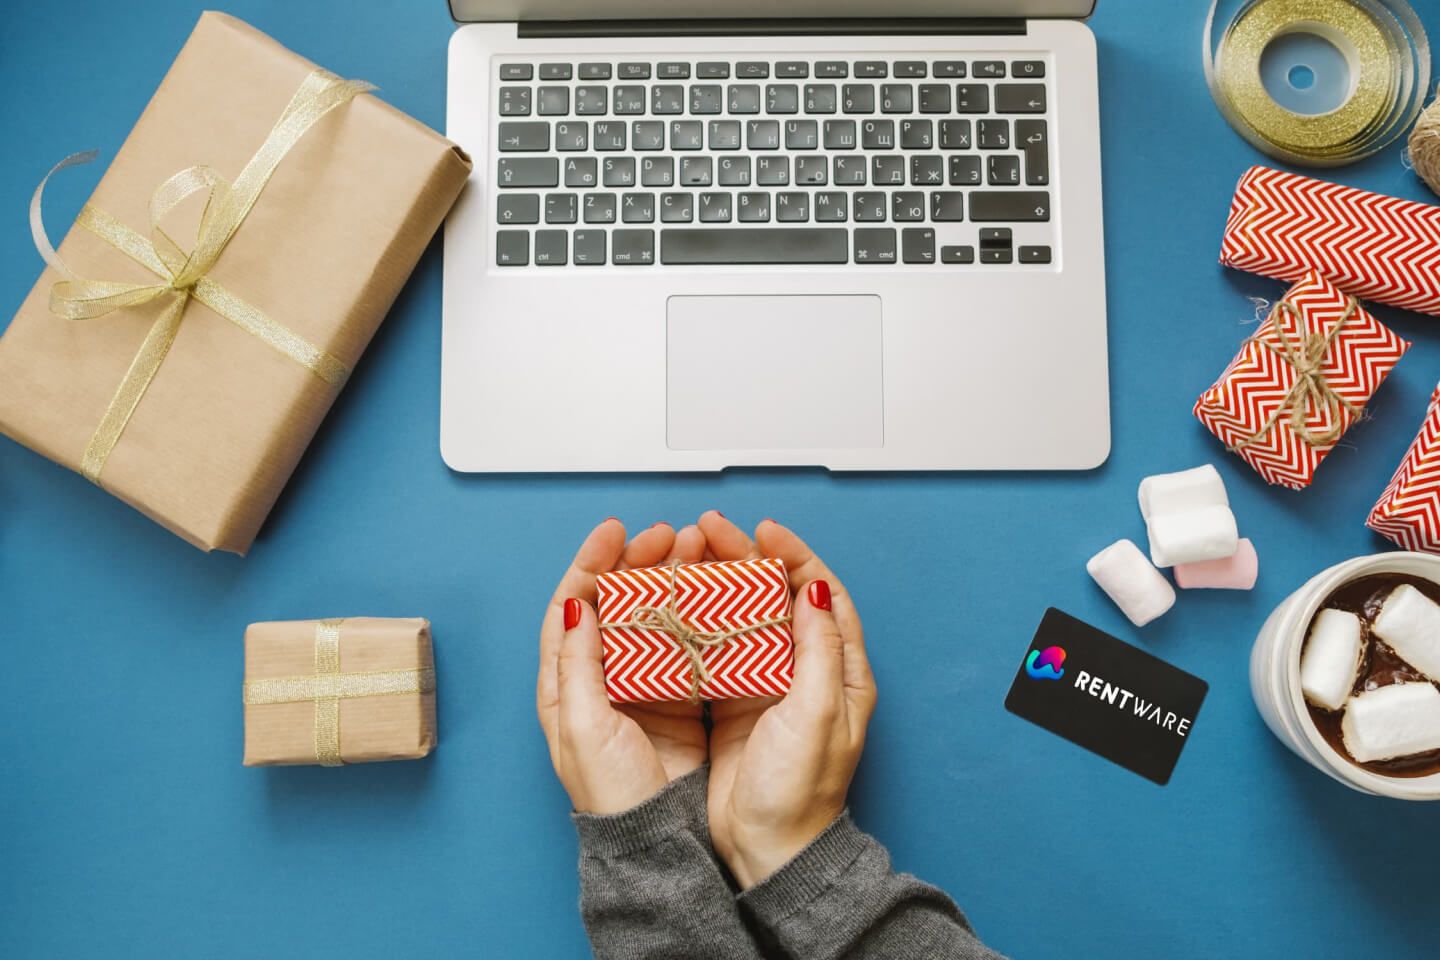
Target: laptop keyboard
x,y
752,162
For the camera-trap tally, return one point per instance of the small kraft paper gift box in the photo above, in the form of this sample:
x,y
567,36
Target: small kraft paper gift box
x,y
1384,249
1408,512
1300,382
334,692
705,631
194,327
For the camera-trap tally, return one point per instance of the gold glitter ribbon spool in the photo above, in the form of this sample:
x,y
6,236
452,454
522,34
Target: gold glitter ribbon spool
x,y
328,686
183,274
1387,54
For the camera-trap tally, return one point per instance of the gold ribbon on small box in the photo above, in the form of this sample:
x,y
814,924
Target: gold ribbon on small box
x,y
327,686
185,274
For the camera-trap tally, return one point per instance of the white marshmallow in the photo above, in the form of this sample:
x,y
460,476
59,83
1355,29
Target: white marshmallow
x,y
1400,720
1331,659
1409,622
1140,591
1186,490
1191,536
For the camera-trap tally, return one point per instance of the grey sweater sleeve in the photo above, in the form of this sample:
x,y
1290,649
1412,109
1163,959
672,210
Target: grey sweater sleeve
x,y
838,898
650,887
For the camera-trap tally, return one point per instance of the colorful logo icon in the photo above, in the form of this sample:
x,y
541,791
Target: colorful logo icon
x,y
1047,664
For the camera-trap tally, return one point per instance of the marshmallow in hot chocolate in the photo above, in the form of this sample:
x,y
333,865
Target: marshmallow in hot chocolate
x,y
1409,622
1400,720
1331,658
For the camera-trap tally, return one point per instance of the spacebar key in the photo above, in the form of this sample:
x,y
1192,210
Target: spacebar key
x,y
1019,206
754,246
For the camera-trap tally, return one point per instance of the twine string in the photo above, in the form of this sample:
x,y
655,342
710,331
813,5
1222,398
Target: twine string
x,y
1305,353
666,619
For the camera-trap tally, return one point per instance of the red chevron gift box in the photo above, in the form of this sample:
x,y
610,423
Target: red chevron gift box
x,y
1381,248
1408,512
1299,383
705,631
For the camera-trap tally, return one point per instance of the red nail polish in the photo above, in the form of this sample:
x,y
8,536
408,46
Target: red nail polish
x,y
662,523
819,595
572,611
721,515
608,519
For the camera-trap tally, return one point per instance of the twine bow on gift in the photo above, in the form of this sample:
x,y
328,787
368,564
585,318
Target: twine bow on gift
x,y
328,686
691,641
185,274
1305,353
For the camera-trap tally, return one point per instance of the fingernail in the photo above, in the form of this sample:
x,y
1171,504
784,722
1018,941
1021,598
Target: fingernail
x,y
819,596
768,520
572,610
608,519
662,523
721,515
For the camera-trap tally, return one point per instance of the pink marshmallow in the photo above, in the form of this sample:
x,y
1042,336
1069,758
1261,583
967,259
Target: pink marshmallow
x,y
1232,573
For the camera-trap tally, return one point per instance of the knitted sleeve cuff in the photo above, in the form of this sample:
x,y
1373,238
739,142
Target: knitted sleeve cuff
x,y
809,874
678,807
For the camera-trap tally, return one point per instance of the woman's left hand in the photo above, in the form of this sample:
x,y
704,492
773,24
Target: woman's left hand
x,y
610,757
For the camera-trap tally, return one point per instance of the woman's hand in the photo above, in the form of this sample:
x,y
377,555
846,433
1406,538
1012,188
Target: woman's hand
x,y
610,757
780,769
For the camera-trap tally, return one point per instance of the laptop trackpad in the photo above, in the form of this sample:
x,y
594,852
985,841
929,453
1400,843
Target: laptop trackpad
x,y
747,373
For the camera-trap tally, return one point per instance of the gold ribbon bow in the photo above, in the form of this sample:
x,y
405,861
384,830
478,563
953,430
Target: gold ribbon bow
x,y
184,274
1306,355
693,642
328,686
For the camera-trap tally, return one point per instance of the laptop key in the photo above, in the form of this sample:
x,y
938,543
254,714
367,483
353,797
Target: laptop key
x,y
820,98
518,208
733,172
874,245
754,207
1005,255
572,135
594,71
1027,69
897,98
927,171
954,134
832,69
696,172
515,101
528,172
1033,137
950,68
917,245
687,135
1019,98
591,101
972,98
772,171
1004,170
917,134
637,207
957,254
871,69
516,136
724,134
792,207
849,171
840,135
648,134
600,208
712,70
512,248
802,135
887,170
619,172
811,171
743,97
516,71
870,207
580,172
934,98
633,71
832,207
672,71
755,246
552,248
555,71
562,208
1034,254
554,102
878,134
632,247
609,135
782,98
762,134
667,99
715,207
964,171
910,68
1020,206
657,172
707,98
858,98
992,134
947,206
677,208
989,69
792,69
752,71
630,100
907,206
589,247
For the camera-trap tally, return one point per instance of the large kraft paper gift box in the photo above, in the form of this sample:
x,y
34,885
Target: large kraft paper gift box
x,y
321,256
334,692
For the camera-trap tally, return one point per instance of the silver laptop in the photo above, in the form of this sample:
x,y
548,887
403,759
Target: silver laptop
x,y
775,233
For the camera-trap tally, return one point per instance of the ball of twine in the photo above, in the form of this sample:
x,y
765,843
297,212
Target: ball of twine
x,y
1425,146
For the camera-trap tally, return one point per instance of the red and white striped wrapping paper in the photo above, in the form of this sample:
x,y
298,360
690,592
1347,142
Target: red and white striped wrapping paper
x,y
648,665
1381,248
1408,512
1255,384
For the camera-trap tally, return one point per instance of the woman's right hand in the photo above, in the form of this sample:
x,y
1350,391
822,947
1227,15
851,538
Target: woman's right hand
x,y
780,769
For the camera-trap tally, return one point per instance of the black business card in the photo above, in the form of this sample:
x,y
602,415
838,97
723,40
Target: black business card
x,y
1107,696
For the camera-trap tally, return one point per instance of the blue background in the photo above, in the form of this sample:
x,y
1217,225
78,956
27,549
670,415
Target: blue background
x,y
129,828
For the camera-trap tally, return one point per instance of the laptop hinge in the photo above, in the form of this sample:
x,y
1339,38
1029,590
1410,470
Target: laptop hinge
x,y
773,28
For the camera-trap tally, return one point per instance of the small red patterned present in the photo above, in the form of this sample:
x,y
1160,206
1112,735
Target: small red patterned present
x,y
1381,248
1299,383
705,631
1409,509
